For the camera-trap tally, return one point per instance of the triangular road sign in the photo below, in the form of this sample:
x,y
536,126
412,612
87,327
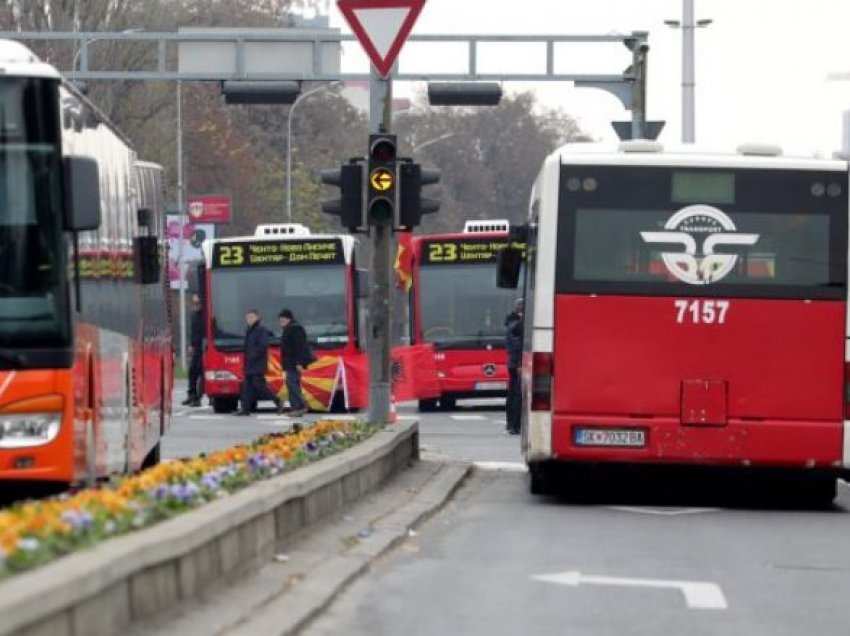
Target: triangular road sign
x,y
381,26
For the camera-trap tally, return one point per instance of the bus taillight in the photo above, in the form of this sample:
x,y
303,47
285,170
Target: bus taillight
x,y
541,382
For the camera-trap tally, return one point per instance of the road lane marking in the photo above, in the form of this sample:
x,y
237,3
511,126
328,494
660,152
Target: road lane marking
x,y
207,417
664,512
505,467
698,594
467,417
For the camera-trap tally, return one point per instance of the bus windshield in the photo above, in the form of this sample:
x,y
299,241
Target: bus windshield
x,y
33,293
462,308
316,294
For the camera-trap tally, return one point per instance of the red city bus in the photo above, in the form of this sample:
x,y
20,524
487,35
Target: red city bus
x,y
686,308
85,349
314,275
458,309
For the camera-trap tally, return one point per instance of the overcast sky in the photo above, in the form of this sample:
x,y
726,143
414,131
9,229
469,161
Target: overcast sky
x,y
761,66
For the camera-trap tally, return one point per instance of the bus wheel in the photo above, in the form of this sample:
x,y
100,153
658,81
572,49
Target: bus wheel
x,y
448,403
541,479
818,491
428,405
224,404
153,457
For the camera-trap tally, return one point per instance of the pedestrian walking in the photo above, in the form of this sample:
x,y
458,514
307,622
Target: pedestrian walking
x,y
295,356
196,352
255,361
513,347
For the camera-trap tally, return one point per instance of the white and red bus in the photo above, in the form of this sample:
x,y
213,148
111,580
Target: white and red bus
x,y
85,348
684,307
286,266
458,310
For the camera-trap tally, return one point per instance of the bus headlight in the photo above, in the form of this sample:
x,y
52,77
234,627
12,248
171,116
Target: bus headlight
x,y
220,376
28,429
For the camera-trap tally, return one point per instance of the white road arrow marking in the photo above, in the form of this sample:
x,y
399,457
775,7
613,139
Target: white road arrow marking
x,y
698,594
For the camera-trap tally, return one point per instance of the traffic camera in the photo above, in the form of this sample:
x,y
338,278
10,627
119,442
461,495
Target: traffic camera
x,y
382,177
349,207
412,205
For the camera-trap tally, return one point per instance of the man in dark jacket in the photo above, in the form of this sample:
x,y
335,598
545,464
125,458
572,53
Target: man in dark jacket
x,y
513,346
196,351
294,358
254,365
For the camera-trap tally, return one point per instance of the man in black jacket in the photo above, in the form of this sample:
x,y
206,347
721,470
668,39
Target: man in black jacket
x,y
254,365
513,346
294,358
196,351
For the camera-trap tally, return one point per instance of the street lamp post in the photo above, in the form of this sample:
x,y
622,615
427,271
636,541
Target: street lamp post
x,y
289,143
84,49
425,144
688,73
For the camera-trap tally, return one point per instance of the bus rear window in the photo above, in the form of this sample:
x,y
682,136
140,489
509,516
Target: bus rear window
x,y
645,230
764,249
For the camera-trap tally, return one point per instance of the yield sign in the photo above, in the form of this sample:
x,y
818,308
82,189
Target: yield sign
x,y
381,26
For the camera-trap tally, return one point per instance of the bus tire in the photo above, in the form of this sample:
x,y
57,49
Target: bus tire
x,y
540,482
818,491
153,457
448,403
428,405
224,404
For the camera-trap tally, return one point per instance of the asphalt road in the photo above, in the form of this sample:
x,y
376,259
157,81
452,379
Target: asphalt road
x,y
668,553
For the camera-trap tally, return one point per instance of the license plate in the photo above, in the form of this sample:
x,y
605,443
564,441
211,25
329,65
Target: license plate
x,y
627,437
491,386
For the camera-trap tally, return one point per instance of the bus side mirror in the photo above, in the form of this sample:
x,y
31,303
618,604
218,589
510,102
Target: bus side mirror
x,y
508,265
82,194
362,283
146,259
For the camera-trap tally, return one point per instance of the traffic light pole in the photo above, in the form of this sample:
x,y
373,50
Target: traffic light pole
x,y
380,379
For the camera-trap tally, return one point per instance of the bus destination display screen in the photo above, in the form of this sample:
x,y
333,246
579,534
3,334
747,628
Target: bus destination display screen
x,y
717,188
277,253
454,251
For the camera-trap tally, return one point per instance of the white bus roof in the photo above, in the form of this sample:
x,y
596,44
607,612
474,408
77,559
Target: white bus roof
x,y
16,60
652,153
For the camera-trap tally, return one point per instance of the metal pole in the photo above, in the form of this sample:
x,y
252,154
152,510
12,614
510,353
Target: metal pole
x,y
688,75
289,144
181,209
380,120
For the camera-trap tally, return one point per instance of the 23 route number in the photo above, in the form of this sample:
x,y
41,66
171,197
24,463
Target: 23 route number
x,y
705,312
442,252
232,255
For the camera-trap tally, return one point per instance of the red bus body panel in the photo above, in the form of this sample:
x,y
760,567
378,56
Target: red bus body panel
x,y
763,388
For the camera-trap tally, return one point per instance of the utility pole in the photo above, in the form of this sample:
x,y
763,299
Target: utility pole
x,y
688,80
380,380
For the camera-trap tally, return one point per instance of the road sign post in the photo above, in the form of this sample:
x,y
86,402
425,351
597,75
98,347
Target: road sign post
x,y
381,26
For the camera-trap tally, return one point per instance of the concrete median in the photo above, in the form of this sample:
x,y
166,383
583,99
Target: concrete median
x,y
105,589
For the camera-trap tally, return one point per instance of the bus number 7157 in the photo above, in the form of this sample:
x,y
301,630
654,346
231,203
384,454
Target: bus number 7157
x,y
701,311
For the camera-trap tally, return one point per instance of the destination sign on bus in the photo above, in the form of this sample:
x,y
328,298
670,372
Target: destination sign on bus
x,y
278,253
446,252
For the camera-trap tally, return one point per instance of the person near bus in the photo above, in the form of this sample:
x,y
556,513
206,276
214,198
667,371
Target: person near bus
x,y
294,358
196,351
254,364
513,346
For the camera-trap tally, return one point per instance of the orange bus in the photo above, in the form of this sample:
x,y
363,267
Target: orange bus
x,y
85,347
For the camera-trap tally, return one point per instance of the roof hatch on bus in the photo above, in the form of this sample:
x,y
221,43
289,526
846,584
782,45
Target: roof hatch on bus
x,y
480,227
282,229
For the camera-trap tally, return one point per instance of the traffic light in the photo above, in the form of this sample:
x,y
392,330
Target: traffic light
x,y
412,205
381,183
349,207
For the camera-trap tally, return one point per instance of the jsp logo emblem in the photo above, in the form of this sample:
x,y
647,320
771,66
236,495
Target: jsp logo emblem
x,y
688,227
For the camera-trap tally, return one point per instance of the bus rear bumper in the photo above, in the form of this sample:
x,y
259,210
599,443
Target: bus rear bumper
x,y
767,443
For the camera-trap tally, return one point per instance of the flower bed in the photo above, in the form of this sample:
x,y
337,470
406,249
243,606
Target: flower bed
x,y
35,532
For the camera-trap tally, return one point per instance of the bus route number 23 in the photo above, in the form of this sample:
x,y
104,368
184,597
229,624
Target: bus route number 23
x,y
701,311
231,255
442,252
